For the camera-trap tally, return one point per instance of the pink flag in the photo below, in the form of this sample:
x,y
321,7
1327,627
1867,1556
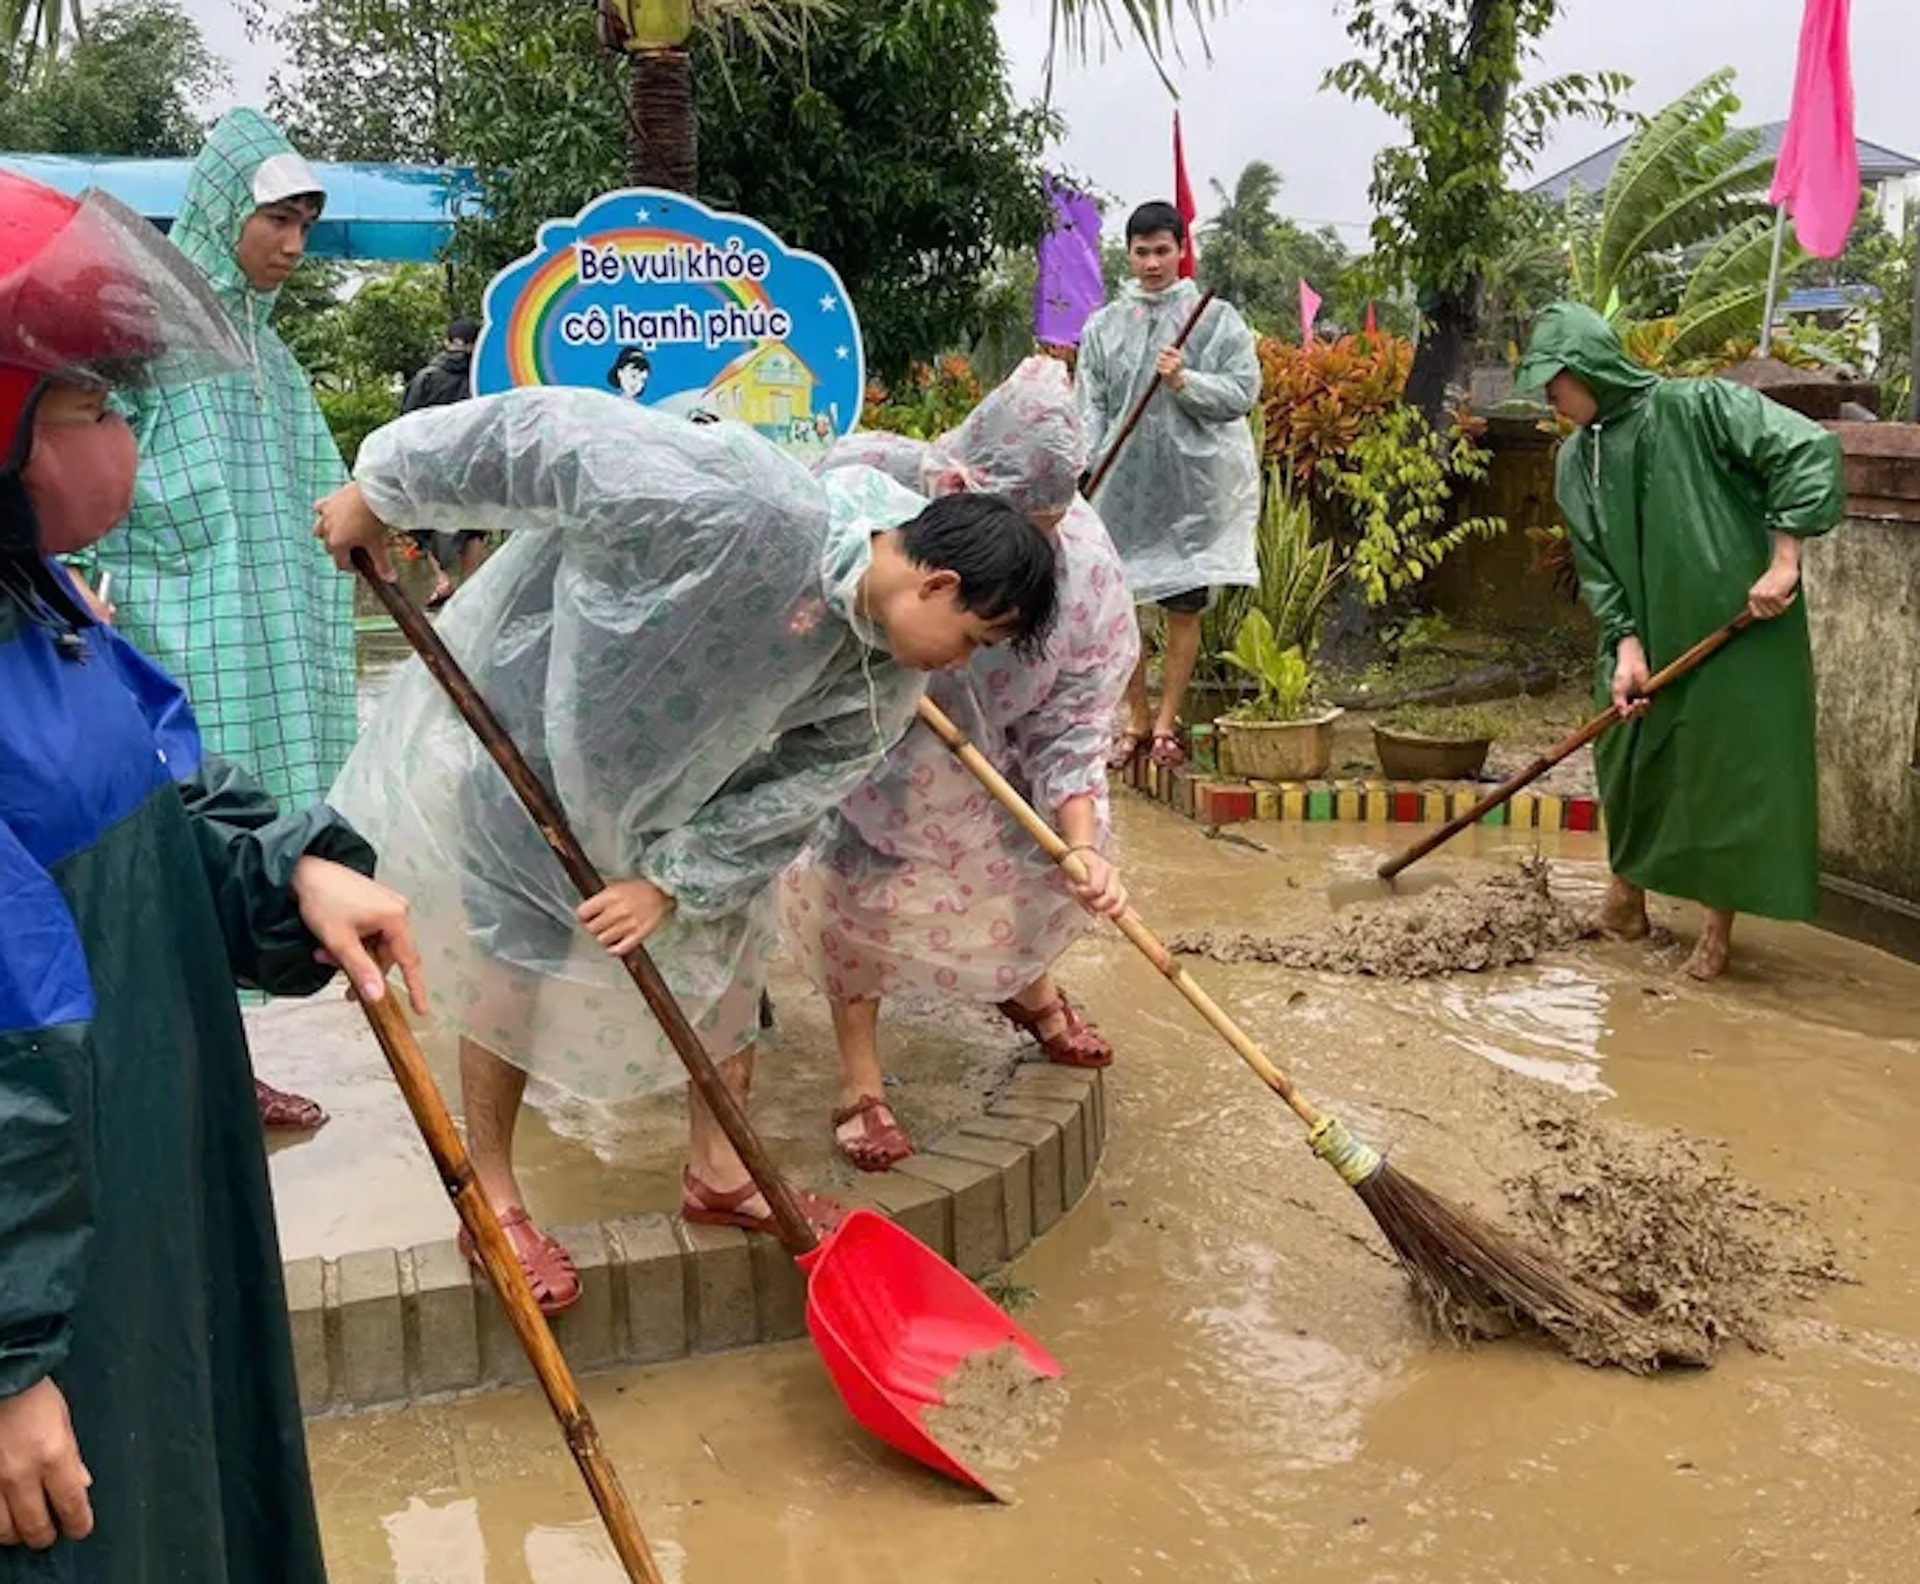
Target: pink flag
x,y
1309,311
1183,200
1817,176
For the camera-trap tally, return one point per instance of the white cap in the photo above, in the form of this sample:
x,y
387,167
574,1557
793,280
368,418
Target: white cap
x,y
284,176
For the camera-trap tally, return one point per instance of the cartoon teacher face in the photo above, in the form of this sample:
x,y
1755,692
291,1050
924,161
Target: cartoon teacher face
x,y
630,373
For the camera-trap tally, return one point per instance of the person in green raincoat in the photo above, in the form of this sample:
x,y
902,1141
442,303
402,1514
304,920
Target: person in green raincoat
x,y
214,572
150,1423
1687,501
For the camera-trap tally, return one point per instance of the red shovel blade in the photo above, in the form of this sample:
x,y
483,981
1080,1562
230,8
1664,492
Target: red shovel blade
x,y
892,1321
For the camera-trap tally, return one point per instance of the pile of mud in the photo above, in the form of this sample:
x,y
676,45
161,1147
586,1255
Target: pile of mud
x,y
1658,1221
1507,918
997,1414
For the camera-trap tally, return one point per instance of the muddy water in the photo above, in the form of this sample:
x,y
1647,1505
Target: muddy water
x,y
1249,1394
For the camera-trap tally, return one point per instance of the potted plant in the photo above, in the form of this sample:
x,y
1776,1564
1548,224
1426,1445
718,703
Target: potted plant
x,y
1282,733
1416,744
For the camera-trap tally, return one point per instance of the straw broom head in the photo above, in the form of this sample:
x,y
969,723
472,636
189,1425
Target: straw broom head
x,y
1474,1280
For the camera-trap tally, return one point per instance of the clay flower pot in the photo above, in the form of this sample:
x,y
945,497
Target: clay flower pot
x,y
1409,756
1298,750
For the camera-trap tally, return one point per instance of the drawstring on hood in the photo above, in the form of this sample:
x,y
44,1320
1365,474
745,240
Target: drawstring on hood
x,y
1572,338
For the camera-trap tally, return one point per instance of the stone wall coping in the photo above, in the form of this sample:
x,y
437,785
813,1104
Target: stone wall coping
x,y
386,1326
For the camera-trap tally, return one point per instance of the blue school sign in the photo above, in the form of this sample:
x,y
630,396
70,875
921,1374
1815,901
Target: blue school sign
x,y
658,298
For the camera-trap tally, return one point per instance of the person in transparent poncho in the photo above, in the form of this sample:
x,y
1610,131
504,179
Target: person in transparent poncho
x,y
920,882
1183,496
702,649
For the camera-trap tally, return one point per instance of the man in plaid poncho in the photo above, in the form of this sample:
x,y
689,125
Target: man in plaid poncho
x,y
215,573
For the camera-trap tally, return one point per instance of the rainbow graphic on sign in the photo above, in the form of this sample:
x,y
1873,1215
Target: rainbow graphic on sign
x,y
657,299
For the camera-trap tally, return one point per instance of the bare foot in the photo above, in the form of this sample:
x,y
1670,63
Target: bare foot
x,y
1623,915
1709,959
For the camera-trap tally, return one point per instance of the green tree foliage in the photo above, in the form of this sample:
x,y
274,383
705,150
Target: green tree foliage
x,y
892,147
1256,258
134,83
1682,232
1452,73
362,79
33,33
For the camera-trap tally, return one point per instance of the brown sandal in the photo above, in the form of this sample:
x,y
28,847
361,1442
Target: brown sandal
x,y
1126,748
1167,752
881,1145
284,1112
704,1206
1079,1044
548,1267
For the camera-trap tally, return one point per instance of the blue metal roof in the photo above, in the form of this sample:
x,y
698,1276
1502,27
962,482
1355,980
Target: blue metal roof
x,y
1829,299
390,214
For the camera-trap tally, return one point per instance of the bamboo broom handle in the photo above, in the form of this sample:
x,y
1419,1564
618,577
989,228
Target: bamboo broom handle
x,y
1129,922
509,1284
1597,727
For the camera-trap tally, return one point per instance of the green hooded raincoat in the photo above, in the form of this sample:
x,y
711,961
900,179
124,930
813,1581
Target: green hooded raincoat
x,y
216,572
1672,495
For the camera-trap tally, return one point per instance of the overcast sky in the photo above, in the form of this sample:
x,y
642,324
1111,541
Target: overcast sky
x,y
1259,98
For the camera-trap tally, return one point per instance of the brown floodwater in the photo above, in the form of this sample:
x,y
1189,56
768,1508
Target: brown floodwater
x,y
1250,1395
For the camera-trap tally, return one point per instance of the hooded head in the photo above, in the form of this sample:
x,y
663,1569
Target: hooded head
x,y
250,195
90,296
1023,442
1571,339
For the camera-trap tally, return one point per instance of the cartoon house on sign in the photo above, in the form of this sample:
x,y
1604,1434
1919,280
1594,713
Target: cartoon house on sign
x,y
767,387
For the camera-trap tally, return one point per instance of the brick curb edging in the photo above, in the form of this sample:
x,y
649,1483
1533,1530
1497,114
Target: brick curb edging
x,y
1202,794
386,1326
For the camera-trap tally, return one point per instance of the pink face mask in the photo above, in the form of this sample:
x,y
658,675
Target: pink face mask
x,y
79,478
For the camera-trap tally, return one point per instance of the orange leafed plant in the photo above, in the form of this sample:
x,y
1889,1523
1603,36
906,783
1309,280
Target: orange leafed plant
x,y
1317,400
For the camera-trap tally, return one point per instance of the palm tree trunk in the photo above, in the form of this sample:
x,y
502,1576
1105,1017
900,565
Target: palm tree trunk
x,y
663,133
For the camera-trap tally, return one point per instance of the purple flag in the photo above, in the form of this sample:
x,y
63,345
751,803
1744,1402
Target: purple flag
x,y
1070,287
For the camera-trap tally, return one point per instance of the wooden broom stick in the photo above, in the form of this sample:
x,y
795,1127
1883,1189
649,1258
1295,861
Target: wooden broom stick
x,y
509,1284
1099,474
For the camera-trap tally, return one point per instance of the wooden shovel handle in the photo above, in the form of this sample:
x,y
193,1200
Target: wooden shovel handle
x,y
796,1232
509,1284
1099,474
1596,727
1129,922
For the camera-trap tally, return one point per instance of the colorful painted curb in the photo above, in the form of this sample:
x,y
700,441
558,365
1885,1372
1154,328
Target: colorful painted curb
x,y
1211,799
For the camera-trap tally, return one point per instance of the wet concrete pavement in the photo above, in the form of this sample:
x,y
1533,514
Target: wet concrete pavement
x,y
1252,1397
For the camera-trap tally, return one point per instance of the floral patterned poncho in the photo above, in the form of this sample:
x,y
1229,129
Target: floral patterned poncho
x,y
919,881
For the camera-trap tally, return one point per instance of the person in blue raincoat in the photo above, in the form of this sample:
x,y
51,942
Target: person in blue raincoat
x,y
150,1423
702,649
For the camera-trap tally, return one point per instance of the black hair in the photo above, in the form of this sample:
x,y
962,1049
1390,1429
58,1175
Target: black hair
x,y
1150,219
1005,564
464,329
630,357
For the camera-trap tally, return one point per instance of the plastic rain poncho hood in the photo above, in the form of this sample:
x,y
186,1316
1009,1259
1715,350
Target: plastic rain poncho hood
x,y
920,880
668,636
1183,499
1672,497
216,571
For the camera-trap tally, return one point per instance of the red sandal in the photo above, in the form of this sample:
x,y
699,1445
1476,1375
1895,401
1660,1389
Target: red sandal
x,y
704,1206
880,1145
546,1264
1079,1044
286,1113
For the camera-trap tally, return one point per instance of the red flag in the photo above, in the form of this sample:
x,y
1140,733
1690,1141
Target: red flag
x,y
1183,200
1372,330
1817,175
